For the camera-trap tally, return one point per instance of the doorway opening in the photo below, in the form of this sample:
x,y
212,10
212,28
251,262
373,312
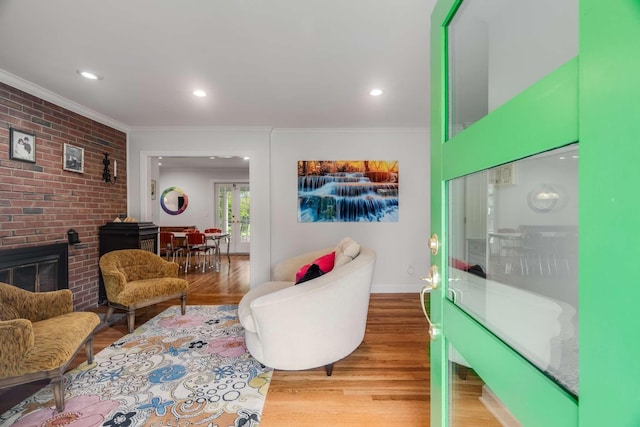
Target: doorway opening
x,y
233,207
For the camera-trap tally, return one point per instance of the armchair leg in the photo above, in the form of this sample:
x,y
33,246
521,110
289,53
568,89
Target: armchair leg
x,y
461,370
183,303
88,349
109,314
58,392
131,319
329,369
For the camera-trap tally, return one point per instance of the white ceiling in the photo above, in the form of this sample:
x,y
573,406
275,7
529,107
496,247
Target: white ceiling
x,y
275,63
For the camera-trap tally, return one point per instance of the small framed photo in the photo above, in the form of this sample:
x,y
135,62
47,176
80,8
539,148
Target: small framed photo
x,y
154,185
73,158
23,146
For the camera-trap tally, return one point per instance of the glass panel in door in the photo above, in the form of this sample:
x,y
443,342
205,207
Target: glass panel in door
x,y
499,48
234,207
517,272
472,402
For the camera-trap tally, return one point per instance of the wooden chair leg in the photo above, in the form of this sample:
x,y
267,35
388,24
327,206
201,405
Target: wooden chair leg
x,y
329,369
131,319
58,392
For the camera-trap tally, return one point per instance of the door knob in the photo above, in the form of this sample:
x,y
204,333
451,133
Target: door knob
x,y
433,279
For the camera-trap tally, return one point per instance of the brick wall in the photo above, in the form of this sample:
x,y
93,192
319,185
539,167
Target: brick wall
x,y
40,202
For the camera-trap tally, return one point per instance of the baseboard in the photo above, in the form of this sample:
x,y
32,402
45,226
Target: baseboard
x,y
405,288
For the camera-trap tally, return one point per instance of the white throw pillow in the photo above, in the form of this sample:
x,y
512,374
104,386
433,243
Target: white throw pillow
x,y
346,251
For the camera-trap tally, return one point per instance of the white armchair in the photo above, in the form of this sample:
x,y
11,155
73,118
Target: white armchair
x,y
312,324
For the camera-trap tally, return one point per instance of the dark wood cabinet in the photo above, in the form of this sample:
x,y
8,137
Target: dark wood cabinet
x,y
126,235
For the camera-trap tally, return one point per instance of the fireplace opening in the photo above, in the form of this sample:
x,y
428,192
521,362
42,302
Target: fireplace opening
x,y
37,269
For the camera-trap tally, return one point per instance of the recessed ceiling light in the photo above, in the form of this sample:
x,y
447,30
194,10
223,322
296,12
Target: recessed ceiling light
x,y
212,157
159,164
375,92
246,157
199,93
160,158
89,75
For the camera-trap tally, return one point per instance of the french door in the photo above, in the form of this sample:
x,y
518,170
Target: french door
x,y
531,313
233,214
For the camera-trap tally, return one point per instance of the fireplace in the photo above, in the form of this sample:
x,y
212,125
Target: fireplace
x,y
36,268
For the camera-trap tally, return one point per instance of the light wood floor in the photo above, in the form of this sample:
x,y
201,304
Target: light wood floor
x,y
385,382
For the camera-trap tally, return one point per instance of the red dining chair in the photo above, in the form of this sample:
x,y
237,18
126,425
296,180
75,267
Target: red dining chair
x,y
169,248
197,244
181,242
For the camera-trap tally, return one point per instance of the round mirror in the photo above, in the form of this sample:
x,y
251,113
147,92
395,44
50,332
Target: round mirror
x,y
543,199
174,201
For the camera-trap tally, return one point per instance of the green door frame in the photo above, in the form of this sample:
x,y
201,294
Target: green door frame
x,y
609,225
594,99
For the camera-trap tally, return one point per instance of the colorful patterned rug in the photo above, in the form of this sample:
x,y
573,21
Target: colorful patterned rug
x,y
191,370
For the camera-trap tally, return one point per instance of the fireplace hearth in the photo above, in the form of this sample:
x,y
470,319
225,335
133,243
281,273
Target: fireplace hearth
x,y
36,268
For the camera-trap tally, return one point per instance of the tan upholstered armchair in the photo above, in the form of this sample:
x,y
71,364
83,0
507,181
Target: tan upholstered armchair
x,y
134,278
40,335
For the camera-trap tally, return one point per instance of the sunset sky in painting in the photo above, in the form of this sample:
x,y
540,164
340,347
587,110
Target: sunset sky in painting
x,y
320,167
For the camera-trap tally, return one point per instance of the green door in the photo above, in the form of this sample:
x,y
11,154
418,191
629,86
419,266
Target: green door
x,y
532,187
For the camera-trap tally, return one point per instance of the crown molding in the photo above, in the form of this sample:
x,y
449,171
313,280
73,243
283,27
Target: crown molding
x,y
352,130
42,93
257,129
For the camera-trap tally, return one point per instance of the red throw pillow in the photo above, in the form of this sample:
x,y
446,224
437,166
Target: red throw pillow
x,y
458,264
325,262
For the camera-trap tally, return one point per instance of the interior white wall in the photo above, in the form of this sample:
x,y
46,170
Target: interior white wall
x,y
511,206
276,234
528,40
501,47
198,185
469,65
401,247
204,142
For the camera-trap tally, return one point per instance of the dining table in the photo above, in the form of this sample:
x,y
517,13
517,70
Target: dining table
x,y
215,237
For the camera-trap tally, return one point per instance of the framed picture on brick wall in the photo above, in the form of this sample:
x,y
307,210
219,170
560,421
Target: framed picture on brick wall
x,y
23,146
73,158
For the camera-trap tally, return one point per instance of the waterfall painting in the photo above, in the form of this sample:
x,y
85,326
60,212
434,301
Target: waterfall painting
x,y
348,191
